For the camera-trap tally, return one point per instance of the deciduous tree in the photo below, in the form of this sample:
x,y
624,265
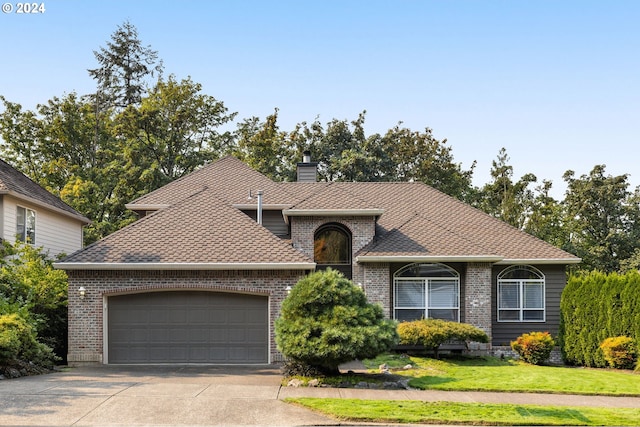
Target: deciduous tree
x,y
602,219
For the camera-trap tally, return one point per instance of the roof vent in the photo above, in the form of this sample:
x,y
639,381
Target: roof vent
x,y
307,170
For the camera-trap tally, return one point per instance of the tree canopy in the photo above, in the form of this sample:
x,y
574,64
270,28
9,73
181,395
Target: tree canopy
x,y
138,131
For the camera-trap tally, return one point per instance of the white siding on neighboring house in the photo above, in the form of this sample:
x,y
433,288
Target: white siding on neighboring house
x,y
55,232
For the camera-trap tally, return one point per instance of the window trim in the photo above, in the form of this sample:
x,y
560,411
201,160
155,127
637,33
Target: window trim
x,y
23,235
521,309
426,282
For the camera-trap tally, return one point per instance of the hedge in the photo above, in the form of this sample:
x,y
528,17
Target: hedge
x,y
596,306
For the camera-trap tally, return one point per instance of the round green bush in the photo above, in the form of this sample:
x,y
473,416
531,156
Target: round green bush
x,y
326,320
431,333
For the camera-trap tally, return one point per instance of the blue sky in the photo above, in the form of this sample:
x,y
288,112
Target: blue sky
x,y
557,83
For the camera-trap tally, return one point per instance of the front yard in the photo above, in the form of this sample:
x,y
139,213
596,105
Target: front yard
x,y
494,374
489,374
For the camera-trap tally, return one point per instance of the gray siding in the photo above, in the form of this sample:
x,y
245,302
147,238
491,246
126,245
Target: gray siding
x,y
505,332
273,221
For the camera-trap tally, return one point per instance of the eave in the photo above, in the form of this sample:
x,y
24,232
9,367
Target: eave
x,y
183,266
331,212
47,206
266,207
145,207
554,261
429,258
494,259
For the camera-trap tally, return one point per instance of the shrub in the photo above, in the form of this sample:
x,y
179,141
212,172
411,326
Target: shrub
x,y
534,347
326,320
432,333
15,335
18,341
595,306
620,352
29,281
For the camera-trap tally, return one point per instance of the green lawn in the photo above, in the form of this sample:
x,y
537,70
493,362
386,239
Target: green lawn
x,y
413,411
493,374
490,374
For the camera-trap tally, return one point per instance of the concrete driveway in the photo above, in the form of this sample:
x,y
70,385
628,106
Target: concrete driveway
x,y
152,395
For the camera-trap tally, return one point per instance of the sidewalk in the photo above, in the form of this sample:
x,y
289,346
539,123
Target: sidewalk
x,y
461,396
456,396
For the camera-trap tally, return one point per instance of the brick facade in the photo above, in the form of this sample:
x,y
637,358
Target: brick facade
x,y
477,301
303,229
86,332
376,285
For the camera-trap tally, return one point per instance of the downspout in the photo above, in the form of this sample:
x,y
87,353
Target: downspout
x,y
259,193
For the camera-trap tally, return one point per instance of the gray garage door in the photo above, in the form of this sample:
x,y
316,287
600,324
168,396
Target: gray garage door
x,y
187,327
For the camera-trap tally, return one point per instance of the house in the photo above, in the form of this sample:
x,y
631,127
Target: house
x,y
201,276
29,213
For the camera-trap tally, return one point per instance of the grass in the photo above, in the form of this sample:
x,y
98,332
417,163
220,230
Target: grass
x,y
494,374
488,374
411,411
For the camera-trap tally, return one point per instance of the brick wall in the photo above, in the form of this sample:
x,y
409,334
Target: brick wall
x,y
375,282
303,229
477,300
86,331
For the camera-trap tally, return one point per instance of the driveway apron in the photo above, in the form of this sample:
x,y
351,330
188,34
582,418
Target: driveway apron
x,y
152,395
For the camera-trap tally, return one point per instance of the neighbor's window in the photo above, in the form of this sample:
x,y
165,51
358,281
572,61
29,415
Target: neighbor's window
x,y
26,225
426,291
521,295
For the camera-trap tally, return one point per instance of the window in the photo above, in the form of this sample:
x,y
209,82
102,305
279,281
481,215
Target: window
x,y
521,295
25,225
332,248
426,290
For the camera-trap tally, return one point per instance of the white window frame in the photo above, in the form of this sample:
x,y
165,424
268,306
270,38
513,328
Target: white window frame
x,y
23,234
521,285
425,305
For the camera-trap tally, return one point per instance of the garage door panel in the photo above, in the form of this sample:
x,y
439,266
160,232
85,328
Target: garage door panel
x,y
187,327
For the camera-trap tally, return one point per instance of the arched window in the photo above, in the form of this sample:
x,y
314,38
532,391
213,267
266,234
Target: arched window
x,y
521,294
332,248
426,291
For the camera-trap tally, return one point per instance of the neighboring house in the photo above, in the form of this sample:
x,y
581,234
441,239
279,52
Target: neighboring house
x,y
200,278
29,213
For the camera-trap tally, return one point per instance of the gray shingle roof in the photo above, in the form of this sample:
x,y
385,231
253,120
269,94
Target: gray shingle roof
x,y
231,179
19,185
202,226
201,229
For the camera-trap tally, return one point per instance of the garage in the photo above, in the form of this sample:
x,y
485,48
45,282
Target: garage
x,y
187,327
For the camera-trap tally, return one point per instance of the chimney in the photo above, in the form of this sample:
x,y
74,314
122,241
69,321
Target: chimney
x,y
307,170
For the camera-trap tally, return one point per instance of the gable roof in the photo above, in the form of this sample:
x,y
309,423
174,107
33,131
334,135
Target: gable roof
x,y
16,184
483,237
232,180
332,200
199,225
200,232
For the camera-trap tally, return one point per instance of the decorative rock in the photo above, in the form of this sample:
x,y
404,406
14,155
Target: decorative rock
x,y
313,383
362,384
384,368
407,367
12,373
295,383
